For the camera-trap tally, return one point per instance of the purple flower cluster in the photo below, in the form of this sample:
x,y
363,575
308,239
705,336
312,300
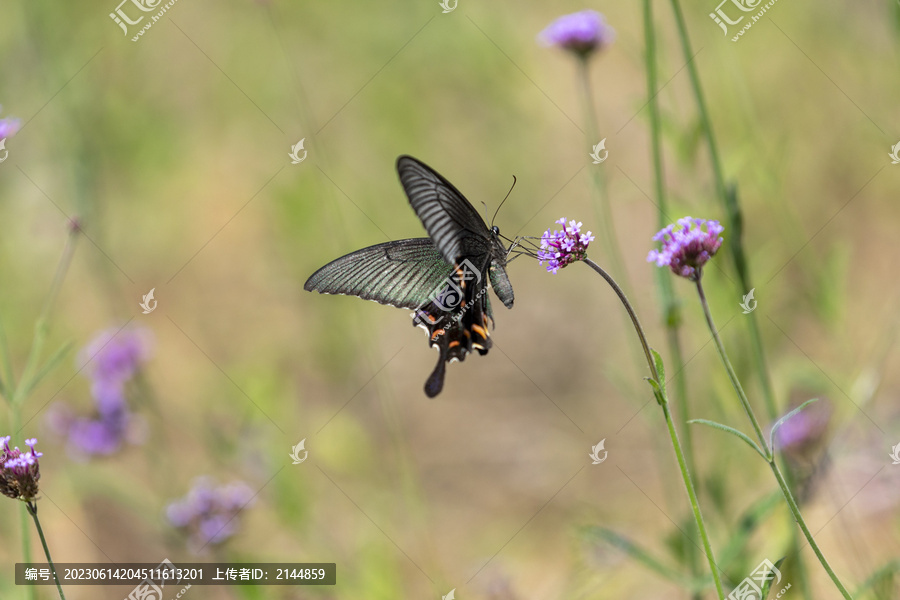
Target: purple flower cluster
x,y
208,513
9,127
581,33
113,358
686,247
19,471
559,248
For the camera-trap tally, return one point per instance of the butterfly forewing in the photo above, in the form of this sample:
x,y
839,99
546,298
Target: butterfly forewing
x,y
404,273
450,220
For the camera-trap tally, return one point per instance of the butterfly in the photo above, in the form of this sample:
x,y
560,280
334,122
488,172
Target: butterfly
x,y
443,278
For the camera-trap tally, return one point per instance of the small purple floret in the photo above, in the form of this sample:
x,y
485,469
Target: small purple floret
x,y
686,246
581,33
19,471
560,248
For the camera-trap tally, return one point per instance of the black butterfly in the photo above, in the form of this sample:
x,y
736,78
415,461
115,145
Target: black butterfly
x,y
443,277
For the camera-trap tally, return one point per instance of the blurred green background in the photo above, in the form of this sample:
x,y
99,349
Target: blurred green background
x,y
173,154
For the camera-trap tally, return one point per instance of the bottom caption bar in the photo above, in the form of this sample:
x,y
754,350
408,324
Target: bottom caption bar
x,y
167,574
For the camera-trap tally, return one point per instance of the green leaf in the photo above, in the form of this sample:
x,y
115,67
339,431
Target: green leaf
x,y
882,580
660,368
603,534
659,386
784,419
768,584
732,431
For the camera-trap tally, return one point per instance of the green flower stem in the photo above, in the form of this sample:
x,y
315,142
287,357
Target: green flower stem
x,y
770,457
735,382
673,433
729,202
670,304
16,418
32,510
42,326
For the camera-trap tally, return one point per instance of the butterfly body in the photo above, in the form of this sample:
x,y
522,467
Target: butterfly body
x,y
443,278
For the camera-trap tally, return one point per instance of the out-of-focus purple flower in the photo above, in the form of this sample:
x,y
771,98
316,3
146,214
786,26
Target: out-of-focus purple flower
x,y
686,247
19,470
102,435
112,358
209,512
582,33
805,430
560,248
9,127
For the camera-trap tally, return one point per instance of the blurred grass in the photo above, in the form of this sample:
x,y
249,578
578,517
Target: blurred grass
x,y
156,146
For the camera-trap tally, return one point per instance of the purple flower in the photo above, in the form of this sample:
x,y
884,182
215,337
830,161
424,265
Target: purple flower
x,y
801,432
582,33
113,356
9,127
686,247
19,471
560,248
208,513
102,435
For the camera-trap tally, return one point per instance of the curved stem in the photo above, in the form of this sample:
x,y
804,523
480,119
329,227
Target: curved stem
x,y
673,433
42,327
735,382
671,311
770,457
32,509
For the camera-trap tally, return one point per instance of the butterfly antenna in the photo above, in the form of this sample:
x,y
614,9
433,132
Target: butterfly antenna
x,y
504,200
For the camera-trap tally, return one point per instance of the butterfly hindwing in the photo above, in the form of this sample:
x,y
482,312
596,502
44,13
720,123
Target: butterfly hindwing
x,y
458,331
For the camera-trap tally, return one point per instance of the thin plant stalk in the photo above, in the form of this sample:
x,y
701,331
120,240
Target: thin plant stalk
x,y
16,418
730,204
671,308
16,393
32,510
670,424
769,452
